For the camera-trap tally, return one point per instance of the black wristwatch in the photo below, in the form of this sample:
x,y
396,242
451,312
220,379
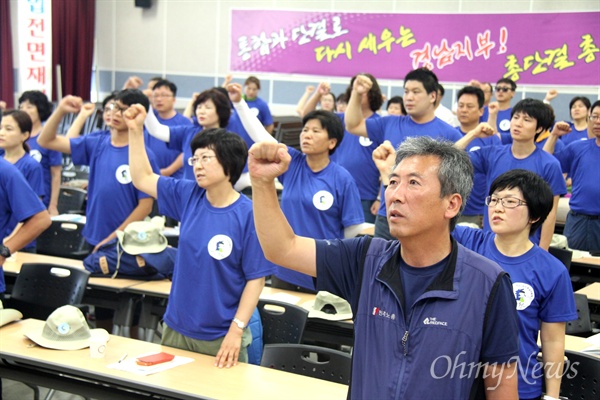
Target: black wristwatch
x,y
4,251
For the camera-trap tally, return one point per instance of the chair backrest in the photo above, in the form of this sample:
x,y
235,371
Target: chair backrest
x,y
288,131
71,200
63,239
581,378
282,322
41,288
564,256
582,324
317,362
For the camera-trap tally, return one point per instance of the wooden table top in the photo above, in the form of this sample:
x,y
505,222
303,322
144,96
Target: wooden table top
x,y
199,378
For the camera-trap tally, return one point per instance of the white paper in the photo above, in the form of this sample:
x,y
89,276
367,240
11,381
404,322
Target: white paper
x,y
130,365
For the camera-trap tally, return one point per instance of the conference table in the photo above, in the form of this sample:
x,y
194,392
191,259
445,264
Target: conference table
x,y
155,293
122,295
75,372
104,292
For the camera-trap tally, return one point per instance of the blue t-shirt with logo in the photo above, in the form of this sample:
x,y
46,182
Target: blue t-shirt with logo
x,y
111,194
218,253
355,153
317,205
543,292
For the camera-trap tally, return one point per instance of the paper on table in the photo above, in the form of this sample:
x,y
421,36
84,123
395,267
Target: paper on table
x,y
130,365
283,297
595,339
580,254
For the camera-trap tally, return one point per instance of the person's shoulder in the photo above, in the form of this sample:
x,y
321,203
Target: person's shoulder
x,y
477,262
580,144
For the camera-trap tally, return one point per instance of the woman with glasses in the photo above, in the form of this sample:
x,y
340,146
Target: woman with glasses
x,y
212,110
220,268
518,203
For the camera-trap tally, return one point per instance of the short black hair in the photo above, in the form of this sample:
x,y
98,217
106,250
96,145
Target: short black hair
x,y
397,100
166,83
109,98
474,91
583,99
130,97
441,89
512,83
535,109
426,77
374,94
596,104
330,122
40,101
536,193
220,101
343,97
230,149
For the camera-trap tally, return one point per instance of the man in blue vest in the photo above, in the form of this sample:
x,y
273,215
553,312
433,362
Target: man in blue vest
x,y
432,319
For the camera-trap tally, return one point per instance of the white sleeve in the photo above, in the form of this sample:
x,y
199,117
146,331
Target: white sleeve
x,y
252,125
155,128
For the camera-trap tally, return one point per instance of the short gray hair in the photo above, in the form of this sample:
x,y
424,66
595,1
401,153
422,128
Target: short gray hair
x,y
455,172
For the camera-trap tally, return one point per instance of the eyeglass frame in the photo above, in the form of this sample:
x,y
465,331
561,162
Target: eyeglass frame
x,y
489,199
162,95
504,89
114,107
595,118
203,160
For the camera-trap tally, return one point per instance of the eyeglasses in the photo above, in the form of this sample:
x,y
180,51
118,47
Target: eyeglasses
x,y
503,89
507,202
115,108
595,118
202,160
161,95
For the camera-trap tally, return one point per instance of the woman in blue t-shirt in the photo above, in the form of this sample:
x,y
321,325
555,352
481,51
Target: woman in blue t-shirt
x,y
15,129
220,268
579,108
518,204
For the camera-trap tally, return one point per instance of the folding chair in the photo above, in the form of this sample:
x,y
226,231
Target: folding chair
x,y
582,326
63,239
317,362
564,256
282,322
71,200
580,378
40,289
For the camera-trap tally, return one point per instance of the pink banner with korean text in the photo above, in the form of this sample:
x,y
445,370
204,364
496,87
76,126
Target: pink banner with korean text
x,y
545,49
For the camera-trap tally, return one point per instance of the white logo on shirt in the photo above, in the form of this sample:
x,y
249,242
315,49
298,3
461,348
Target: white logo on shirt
x,y
123,175
220,246
323,200
504,125
434,321
37,156
255,111
524,295
364,141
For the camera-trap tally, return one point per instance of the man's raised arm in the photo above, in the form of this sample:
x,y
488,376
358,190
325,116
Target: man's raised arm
x,y
266,161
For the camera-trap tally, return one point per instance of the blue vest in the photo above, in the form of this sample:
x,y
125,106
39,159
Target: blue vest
x,y
420,358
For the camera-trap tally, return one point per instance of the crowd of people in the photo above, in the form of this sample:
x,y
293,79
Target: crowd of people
x,y
424,288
